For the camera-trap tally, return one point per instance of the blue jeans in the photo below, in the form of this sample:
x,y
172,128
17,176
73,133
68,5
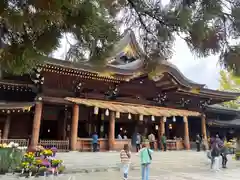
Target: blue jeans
x,y
145,171
125,169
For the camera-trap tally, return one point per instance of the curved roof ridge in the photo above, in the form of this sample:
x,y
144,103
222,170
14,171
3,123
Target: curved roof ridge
x,y
181,75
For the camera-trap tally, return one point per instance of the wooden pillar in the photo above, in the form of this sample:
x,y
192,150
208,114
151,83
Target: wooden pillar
x,y
111,135
186,133
162,126
161,130
6,127
64,126
74,127
204,130
36,124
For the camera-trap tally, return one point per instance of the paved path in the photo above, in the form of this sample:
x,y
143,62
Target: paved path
x,y
180,165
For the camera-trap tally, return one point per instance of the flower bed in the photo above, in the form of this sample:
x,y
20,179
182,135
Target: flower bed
x,y
35,162
40,162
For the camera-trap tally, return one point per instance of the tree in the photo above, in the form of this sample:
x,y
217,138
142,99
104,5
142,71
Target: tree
x,y
230,82
32,28
207,26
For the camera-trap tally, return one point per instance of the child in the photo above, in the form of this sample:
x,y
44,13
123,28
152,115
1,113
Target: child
x,y
125,156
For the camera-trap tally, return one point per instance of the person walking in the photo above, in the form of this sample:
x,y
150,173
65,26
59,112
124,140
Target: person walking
x,y
215,152
146,159
95,142
125,156
151,138
164,142
198,142
138,142
223,153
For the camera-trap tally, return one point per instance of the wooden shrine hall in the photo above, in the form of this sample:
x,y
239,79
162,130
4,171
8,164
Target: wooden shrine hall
x,y
62,103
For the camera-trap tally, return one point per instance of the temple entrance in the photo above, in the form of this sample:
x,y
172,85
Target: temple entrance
x,y
49,130
174,128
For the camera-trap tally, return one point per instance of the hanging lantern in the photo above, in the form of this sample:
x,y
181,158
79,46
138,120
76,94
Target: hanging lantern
x,y
117,114
156,127
164,119
152,118
102,117
102,129
107,112
96,109
141,117
129,116
174,119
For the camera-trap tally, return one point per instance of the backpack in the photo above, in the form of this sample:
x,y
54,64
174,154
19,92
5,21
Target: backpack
x,y
215,150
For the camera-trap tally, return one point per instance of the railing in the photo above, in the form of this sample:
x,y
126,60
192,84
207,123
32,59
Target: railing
x,y
61,145
21,142
85,144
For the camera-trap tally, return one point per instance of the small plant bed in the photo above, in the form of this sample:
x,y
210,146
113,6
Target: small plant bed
x,y
237,155
40,162
10,156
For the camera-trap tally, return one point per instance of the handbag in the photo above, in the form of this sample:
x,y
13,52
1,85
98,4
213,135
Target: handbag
x,y
149,154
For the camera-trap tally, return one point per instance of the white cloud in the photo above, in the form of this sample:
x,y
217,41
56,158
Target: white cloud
x,y
203,71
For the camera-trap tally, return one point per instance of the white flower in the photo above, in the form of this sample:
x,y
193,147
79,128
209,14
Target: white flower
x,y
16,145
22,148
11,144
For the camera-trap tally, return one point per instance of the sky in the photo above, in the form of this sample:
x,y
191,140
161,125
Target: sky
x,y
203,71
200,70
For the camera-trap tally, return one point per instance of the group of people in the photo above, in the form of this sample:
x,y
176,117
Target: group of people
x,y
145,155
217,149
144,148
162,142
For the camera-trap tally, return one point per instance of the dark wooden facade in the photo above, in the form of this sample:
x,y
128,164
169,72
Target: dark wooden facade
x,y
223,121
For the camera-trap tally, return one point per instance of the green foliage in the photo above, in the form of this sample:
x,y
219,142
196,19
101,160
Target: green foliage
x,y
230,82
9,159
32,29
208,27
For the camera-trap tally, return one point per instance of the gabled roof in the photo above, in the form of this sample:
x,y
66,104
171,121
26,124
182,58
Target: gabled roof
x,y
132,66
230,123
219,108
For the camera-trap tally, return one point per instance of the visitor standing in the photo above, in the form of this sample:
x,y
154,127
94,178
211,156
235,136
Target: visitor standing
x,y
125,156
224,152
138,142
151,138
198,142
164,142
95,142
146,159
119,137
215,152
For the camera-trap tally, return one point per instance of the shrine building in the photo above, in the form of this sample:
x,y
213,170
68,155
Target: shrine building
x,y
62,103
